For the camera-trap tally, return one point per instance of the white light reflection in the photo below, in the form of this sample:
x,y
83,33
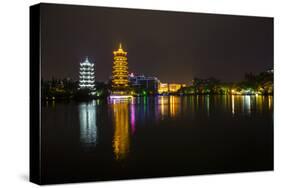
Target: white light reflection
x,y
88,124
233,104
247,104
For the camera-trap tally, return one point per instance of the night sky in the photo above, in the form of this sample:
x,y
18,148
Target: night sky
x,y
173,46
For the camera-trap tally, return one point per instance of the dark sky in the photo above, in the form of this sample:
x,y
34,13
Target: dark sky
x,y
173,46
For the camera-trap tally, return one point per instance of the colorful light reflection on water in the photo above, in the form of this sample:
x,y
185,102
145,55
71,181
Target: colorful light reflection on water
x,y
103,137
129,114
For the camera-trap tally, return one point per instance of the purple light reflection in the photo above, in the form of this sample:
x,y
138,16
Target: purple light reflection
x,y
133,127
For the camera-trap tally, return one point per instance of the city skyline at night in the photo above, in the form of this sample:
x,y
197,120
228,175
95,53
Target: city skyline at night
x,y
174,47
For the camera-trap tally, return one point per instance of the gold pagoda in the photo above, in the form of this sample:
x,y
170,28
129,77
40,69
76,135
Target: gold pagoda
x,y
120,81
120,69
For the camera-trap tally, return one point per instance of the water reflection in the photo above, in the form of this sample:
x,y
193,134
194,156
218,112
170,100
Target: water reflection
x,y
168,106
233,104
133,117
88,124
163,103
247,104
250,104
270,102
259,103
125,136
128,115
175,105
121,128
208,105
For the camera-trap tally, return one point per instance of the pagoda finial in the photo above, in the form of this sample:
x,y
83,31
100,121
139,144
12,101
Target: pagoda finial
x,y
120,45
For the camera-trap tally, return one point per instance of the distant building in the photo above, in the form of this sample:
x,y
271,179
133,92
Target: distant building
x,y
87,76
149,83
173,87
163,88
169,87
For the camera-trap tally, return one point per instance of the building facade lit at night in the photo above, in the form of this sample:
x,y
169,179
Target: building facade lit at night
x,y
169,88
87,76
149,83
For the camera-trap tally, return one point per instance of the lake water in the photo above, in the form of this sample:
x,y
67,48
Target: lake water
x,y
156,136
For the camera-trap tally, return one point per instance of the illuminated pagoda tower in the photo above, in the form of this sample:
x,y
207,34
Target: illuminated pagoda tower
x,y
120,80
87,76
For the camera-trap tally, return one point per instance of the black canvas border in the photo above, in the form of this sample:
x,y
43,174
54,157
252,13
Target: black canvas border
x,y
34,95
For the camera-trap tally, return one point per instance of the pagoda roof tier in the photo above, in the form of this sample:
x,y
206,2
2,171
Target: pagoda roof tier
x,y
120,51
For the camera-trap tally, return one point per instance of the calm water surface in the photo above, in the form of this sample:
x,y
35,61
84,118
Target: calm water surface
x,y
156,136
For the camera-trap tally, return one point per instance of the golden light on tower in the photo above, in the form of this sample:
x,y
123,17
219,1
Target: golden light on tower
x,y
120,69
